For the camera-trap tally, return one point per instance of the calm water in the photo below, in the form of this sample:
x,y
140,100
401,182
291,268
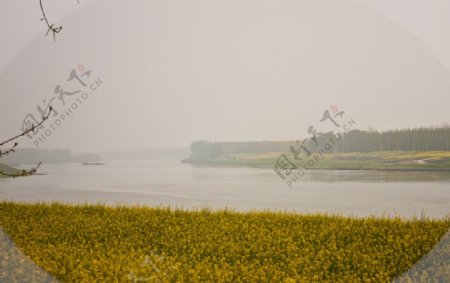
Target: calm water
x,y
167,182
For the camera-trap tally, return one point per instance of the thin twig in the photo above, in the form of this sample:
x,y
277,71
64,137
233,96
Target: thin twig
x,y
24,172
12,149
50,27
32,128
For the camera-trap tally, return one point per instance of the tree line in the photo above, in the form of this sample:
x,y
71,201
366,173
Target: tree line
x,y
418,139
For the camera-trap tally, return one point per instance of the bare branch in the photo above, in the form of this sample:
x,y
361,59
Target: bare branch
x,y
23,172
50,27
12,149
32,128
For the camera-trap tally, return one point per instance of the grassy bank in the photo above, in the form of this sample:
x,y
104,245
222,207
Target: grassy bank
x,y
378,160
104,244
8,170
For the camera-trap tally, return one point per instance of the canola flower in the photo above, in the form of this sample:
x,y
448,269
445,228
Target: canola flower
x,y
98,243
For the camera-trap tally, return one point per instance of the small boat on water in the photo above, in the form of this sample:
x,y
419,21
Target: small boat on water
x,y
93,163
186,160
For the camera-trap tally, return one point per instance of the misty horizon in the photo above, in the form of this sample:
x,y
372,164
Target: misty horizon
x,y
194,75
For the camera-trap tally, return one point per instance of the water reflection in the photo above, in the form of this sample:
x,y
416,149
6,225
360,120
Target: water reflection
x,y
376,176
170,183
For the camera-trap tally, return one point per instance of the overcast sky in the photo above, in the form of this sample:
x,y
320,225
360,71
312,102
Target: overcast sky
x,y
173,71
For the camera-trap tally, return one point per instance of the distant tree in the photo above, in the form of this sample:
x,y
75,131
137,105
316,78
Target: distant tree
x,y
419,139
200,150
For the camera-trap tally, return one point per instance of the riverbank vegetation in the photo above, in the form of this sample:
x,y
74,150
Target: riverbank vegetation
x,y
409,149
88,243
7,170
381,160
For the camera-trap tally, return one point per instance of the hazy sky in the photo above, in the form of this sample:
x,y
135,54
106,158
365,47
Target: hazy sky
x,y
178,71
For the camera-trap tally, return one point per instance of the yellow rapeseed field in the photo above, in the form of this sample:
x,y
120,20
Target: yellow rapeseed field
x,y
97,243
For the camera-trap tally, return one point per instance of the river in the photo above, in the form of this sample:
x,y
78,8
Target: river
x,y
167,182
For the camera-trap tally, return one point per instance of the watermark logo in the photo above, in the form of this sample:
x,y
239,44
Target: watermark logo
x,y
153,264
80,85
312,149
